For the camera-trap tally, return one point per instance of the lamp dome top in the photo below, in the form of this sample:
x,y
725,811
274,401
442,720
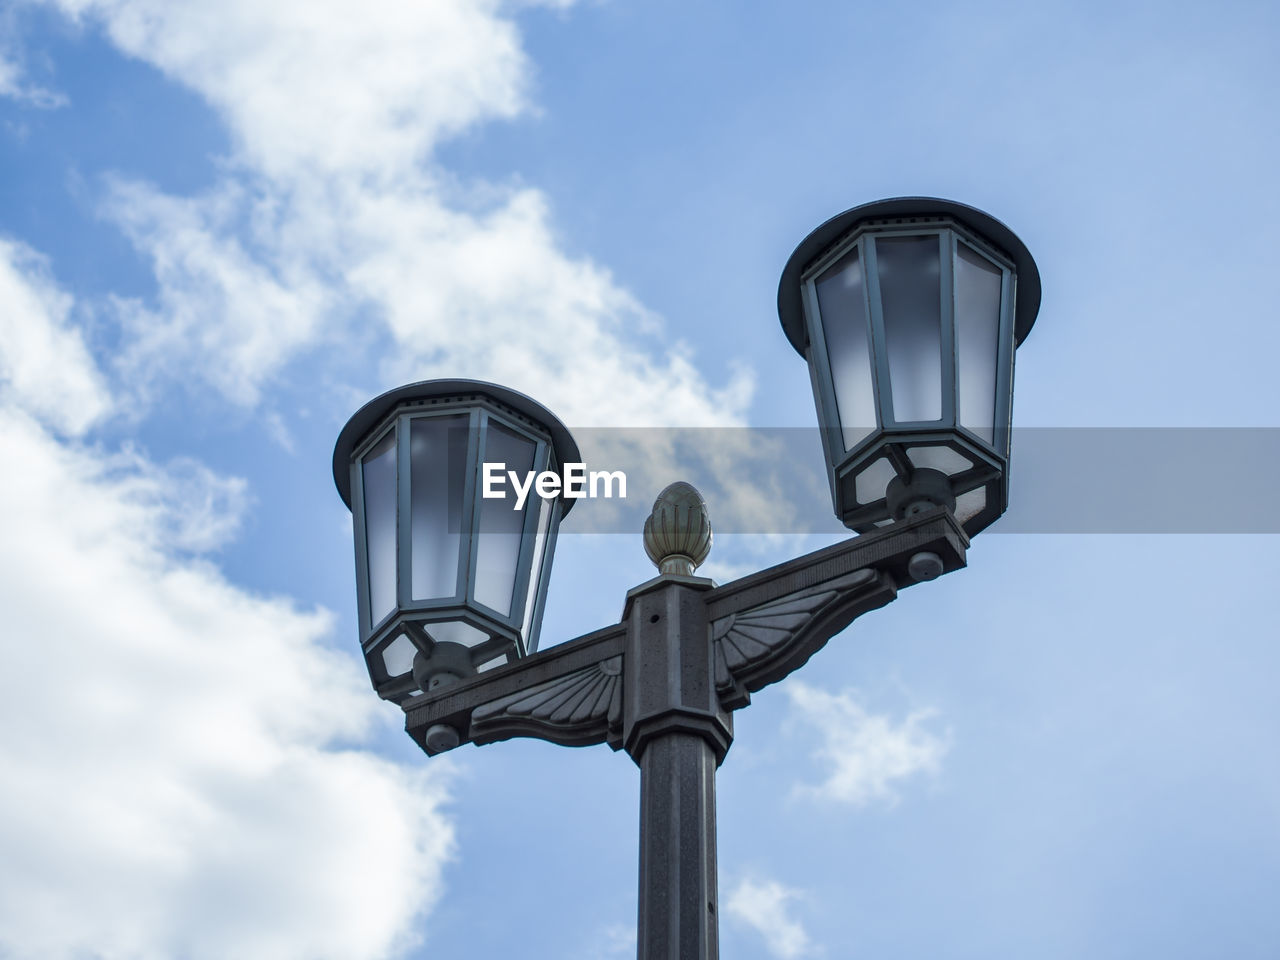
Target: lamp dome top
x,y
790,309
425,392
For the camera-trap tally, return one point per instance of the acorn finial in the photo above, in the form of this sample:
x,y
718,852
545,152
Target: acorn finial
x,y
677,534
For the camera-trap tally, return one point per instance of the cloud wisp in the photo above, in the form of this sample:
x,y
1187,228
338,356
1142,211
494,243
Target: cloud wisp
x,y
765,906
865,755
15,84
45,364
332,229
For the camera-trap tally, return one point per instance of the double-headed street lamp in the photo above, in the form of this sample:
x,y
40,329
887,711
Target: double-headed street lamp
x,y
908,312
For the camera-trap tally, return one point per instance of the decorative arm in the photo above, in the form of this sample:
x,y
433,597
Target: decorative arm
x,y
528,698
762,644
770,623
574,710
760,628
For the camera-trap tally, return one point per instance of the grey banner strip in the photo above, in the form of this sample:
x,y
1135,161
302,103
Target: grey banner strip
x,y
1062,480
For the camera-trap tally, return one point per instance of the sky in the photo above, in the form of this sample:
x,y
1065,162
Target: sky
x,y
225,225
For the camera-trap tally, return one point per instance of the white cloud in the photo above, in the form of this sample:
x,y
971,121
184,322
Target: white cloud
x,y
765,906
228,316
45,367
181,758
14,83
190,508
459,294
180,762
315,85
491,294
330,219
865,754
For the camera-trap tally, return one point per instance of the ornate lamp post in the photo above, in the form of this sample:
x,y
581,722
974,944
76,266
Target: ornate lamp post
x,y
908,311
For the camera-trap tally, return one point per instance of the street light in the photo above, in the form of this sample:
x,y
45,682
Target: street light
x,y
908,311
449,583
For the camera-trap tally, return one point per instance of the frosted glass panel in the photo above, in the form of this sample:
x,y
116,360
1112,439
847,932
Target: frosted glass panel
x,y
455,631
871,482
977,339
498,661
498,545
379,479
945,459
971,503
539,548
397,656
910,300
438,465
843,308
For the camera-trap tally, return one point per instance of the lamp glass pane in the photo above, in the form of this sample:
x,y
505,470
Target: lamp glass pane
x,y
539,549
379,482
911,303
455,631
438,470
843,309
945,459
397,656
870,484
977,282
498,543
971,503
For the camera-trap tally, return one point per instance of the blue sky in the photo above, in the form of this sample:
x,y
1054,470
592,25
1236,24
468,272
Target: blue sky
x,y
223,226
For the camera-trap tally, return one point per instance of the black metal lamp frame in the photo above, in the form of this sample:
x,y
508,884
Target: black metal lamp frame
x,y
890,438
513,634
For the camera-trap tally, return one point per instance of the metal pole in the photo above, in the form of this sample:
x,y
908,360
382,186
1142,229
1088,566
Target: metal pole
x,y
678,892
677,732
